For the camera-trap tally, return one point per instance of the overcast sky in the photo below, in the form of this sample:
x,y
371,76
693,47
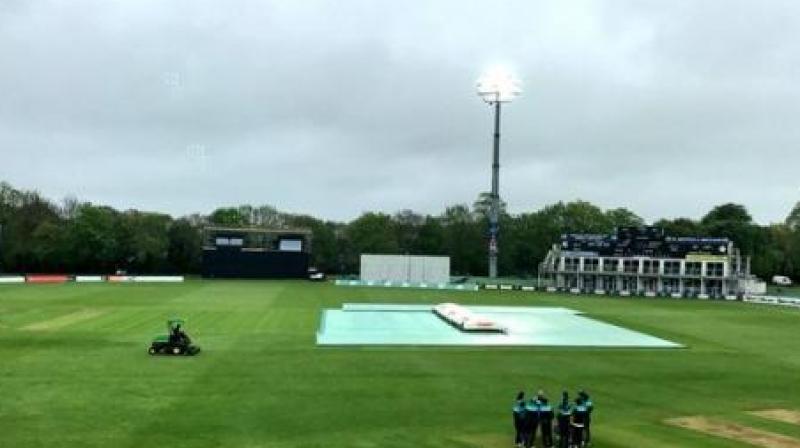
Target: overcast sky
x,y
334,108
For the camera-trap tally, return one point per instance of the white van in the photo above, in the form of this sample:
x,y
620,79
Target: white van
x,y
781,280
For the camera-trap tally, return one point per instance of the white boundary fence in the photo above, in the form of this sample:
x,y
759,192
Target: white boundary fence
x,y
89,278
145,278
102,279
12,279
774,300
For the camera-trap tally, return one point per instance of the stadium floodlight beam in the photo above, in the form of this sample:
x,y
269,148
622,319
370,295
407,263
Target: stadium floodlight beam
x,y
496,86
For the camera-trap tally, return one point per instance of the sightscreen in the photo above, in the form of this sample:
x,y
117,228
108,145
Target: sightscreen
x,y
405,268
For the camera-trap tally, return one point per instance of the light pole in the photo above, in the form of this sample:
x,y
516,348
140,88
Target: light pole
x,y
495,87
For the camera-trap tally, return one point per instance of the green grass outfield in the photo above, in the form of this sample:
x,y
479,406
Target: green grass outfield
x,y
74,370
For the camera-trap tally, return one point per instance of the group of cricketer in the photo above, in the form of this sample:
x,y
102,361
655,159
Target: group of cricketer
x,y
571,422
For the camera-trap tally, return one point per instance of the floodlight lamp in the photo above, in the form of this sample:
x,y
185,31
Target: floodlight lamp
x,y
498,85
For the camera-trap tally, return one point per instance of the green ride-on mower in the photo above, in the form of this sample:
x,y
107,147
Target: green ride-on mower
x,y
176,342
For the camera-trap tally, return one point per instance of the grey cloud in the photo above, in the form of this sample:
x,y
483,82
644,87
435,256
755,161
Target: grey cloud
x,y
333,108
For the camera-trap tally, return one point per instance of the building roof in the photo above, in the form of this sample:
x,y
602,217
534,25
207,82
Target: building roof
x,y
261,230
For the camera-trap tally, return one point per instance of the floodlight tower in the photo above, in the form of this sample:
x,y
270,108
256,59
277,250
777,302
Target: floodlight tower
x,y
496,86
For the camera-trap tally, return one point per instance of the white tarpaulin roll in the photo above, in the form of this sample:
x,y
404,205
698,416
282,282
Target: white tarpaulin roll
x,y
466,320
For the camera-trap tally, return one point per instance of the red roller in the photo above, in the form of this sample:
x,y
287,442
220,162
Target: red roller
x,y
46,278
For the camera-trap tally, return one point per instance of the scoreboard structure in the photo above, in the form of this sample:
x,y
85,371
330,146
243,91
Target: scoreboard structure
x,y
646,261
251,252
645,242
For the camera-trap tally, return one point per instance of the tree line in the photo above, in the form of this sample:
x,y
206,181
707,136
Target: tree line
x,y
39,235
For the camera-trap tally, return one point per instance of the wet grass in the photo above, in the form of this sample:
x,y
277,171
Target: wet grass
x,y
262,382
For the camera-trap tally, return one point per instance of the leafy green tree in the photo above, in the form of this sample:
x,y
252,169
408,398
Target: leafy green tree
x,y
184,251
774,251
622,217
483,205
10,200
144,240
585,217
532,237
734,222
269,217
94,241
407,225
681,227
228,216
431,237
465,241
38,236
371,233
323,240
727,213
26,212
47,245
793,220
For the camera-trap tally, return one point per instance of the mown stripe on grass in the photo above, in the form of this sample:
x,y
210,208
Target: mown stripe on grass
x,y
130,322
481,440
733,431
780,415
60,322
